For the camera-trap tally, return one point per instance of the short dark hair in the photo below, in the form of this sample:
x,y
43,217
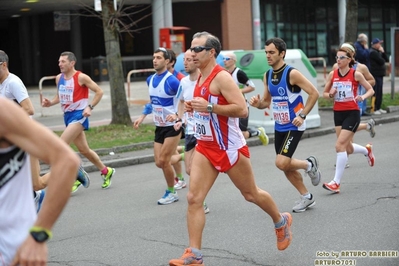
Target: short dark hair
x,y
279,43
165,52
3,56
172,56
211,41
71,56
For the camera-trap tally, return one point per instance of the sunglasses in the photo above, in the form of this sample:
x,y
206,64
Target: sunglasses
x,y
342,57
166,53
199,49
226,59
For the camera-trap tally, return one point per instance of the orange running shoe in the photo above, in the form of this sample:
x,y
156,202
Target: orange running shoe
x,y
332,186
370,155
284,235
188,258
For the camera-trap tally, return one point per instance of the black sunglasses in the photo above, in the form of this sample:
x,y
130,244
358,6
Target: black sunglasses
x,y
198,49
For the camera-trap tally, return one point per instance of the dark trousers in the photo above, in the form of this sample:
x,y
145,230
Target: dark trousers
x,y
378,92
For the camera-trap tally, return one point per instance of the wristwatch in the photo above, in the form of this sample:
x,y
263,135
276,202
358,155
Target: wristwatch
x,y
302,116
39,234
209,108
91,106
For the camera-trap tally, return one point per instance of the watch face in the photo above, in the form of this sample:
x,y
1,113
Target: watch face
x,y
40,236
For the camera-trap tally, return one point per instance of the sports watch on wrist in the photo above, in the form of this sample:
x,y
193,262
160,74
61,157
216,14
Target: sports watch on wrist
x,y
39,234
209,108
302,116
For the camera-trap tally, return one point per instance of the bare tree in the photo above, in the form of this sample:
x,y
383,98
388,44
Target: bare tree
x,y
351,21
115,22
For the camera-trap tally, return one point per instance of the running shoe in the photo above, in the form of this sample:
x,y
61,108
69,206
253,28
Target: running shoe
x,y
303,204
179,184
332,186
263,136
370,155
206,208
371,124
168,198
83,177
39,199
284,235
314,172
188,258
108,177
76,186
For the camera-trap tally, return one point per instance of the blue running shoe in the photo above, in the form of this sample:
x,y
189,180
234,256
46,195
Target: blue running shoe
x,y
168,198
83,177
39,199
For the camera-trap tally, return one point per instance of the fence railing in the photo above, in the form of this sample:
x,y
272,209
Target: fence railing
x,y
129,74
41,90
324,64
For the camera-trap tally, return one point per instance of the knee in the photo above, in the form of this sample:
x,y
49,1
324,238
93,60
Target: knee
x,y
283,166
193,199
84,152
249,197
161,163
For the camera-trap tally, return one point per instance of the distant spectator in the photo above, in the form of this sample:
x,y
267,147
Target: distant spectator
x,y
378,58
362,56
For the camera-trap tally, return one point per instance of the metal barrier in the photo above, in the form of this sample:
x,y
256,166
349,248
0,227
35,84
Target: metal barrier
x,y
41,90
324,64
128,79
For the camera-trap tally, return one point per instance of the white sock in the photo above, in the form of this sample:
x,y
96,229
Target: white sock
x,y
359,149
309,166
342,159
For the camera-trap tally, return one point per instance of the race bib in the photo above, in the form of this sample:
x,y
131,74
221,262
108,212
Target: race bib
x,y
65,94
158,116
281,112
344,91
202,127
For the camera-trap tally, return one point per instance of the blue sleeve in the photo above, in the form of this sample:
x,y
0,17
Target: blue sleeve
x,y
172,85
147,109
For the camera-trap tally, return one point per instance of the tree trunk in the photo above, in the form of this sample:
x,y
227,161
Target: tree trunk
x,y
120,110
351,21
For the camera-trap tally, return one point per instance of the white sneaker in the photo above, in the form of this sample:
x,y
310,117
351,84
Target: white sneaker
x,y
206,208
314,172
168,198
179,184
303,204
377,112
382,111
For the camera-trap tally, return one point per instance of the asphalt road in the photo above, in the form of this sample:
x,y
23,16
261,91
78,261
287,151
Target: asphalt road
x,y
124,225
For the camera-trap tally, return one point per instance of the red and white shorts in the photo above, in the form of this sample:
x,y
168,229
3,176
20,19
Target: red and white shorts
x,y
223,160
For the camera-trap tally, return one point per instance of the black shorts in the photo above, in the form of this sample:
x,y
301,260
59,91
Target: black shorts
x,y
161,133
243,122
190,142
348,120
285,143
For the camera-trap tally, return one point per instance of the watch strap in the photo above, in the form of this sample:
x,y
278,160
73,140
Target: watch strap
x,y
37,229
